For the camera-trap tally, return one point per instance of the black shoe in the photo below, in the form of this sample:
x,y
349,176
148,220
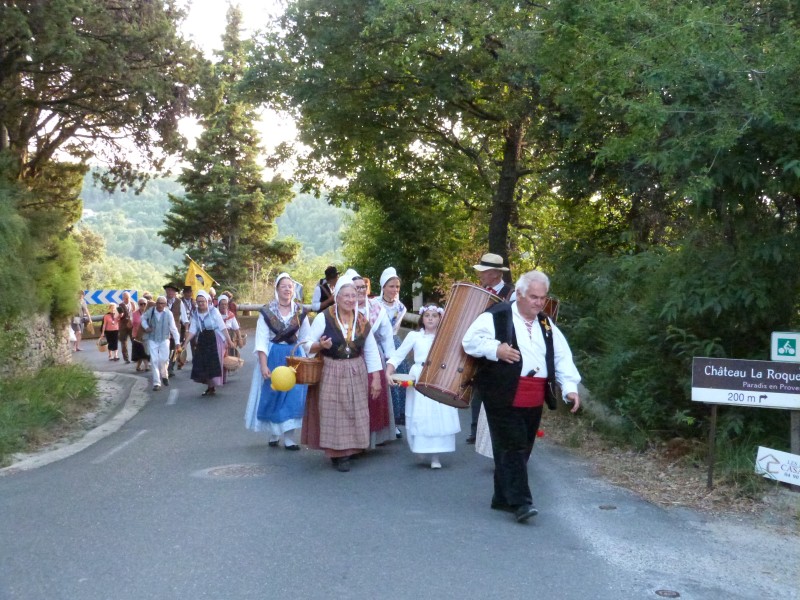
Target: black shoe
x,y
525,512
292,447
503,507
471,439
165,381
273,444
343,465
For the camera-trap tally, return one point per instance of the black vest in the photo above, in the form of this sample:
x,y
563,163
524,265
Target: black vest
x,y
497,380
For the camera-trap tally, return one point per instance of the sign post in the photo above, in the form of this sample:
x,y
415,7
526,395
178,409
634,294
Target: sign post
x,y
754,383
785,347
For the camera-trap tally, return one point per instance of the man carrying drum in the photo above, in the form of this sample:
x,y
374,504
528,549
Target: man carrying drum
x,y
490,273
509,340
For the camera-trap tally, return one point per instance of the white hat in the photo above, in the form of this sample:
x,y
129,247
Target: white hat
x,y
388,273
340,283
351,274
203,294
490,261
283,275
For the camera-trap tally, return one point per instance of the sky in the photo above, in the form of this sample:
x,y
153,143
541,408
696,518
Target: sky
x,y
205,24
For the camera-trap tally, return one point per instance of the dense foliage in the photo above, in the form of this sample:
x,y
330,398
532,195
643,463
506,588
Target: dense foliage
x,y
643,152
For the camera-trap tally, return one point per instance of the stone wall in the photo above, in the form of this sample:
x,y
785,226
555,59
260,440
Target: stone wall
x,y
29,343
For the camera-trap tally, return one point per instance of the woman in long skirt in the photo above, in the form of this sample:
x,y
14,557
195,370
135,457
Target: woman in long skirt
x,y
395,309
281,324
205,325
339,422
431,426
381,413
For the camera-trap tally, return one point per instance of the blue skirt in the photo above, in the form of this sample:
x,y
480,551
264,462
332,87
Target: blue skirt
x,y
275,406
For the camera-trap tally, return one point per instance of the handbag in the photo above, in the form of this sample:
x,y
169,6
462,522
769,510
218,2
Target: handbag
x,y
551,391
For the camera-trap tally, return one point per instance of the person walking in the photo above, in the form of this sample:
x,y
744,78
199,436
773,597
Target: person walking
x,y
159,325
126,308
212,341
490,271
381,414
395,310
431,426
139,353
512,339
323,292
110,330
281,324
80,320
340,415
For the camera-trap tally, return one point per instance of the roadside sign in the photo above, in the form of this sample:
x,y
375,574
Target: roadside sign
x,y
108,296
757,383
785,346
777,465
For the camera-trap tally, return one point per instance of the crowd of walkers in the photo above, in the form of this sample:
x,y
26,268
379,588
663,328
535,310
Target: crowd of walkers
x,y
365,391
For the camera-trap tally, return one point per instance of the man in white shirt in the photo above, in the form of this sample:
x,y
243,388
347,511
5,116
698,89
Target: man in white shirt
x,y
510,341
323,292
159,325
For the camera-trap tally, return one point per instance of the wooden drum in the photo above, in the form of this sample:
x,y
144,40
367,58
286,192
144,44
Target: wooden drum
x,y
447,374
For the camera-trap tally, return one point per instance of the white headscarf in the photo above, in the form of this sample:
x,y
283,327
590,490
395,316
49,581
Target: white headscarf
x,y
204,294
388,273
343,281
283,275
351,274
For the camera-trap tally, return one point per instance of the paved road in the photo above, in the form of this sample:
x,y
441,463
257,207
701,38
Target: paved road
x,y
183,503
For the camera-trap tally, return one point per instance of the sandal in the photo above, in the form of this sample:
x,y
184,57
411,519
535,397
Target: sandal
x,y
209,392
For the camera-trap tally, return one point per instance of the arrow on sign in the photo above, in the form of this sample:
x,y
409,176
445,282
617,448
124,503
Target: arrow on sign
x,y
108,296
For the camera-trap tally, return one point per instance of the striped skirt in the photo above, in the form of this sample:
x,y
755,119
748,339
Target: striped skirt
x,y
337,420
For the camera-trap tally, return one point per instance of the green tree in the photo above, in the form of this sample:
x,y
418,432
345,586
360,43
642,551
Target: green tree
x,y
432,94
227,217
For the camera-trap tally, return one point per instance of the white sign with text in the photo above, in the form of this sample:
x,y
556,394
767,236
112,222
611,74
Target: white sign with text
x,y
777,465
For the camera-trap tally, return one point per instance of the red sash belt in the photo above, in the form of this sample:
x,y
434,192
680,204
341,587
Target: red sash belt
x,y
530,392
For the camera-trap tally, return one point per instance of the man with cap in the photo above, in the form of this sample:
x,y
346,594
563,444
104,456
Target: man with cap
x,y
323,294
175,306
490,273
189,306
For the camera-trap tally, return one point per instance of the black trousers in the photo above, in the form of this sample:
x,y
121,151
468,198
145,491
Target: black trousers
x,y
513,433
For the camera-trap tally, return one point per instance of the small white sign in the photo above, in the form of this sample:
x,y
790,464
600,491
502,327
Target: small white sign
x,y
785,346
777,465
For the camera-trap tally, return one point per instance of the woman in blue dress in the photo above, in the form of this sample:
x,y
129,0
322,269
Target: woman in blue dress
x,y
280,325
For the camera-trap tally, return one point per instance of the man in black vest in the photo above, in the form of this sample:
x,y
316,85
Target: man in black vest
x,y
490,273
509,339
323,293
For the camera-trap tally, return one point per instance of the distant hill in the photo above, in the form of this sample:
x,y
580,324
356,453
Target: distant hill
x,y
129,223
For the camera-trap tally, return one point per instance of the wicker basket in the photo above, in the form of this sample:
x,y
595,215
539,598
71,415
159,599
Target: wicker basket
x,y
102,344
232,362
307,370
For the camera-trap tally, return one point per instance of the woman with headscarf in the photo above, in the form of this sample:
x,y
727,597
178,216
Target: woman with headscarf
x,y
280,325
231,323
110,330
212,341
395,310
381,415
344,338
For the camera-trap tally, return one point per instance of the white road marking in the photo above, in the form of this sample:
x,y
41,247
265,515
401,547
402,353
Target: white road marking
x,y
122,446
173,397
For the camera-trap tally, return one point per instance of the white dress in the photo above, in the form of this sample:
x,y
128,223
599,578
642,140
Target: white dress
x,y
431,426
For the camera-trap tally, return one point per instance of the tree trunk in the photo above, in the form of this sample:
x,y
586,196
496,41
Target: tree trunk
x,y
503,200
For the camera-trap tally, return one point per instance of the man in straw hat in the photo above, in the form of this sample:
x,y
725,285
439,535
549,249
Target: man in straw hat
x,y
490,273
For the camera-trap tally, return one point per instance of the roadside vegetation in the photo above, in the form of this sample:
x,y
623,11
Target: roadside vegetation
x,y
36,409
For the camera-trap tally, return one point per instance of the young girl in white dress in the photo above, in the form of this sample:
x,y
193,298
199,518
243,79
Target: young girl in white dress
x,y
431,426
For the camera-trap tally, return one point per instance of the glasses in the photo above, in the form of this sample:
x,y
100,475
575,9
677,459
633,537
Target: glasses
x,y
142,303
361,288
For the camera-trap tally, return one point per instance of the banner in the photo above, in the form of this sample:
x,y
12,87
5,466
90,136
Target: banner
x,y
198,278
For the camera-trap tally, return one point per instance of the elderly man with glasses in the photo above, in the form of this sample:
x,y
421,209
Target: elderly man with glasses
x,y
159,324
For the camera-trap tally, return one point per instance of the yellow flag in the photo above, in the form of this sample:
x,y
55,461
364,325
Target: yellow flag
x,y
197,277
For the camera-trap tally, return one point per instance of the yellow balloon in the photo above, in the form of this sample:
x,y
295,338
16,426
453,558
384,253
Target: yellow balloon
x,y
283,379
